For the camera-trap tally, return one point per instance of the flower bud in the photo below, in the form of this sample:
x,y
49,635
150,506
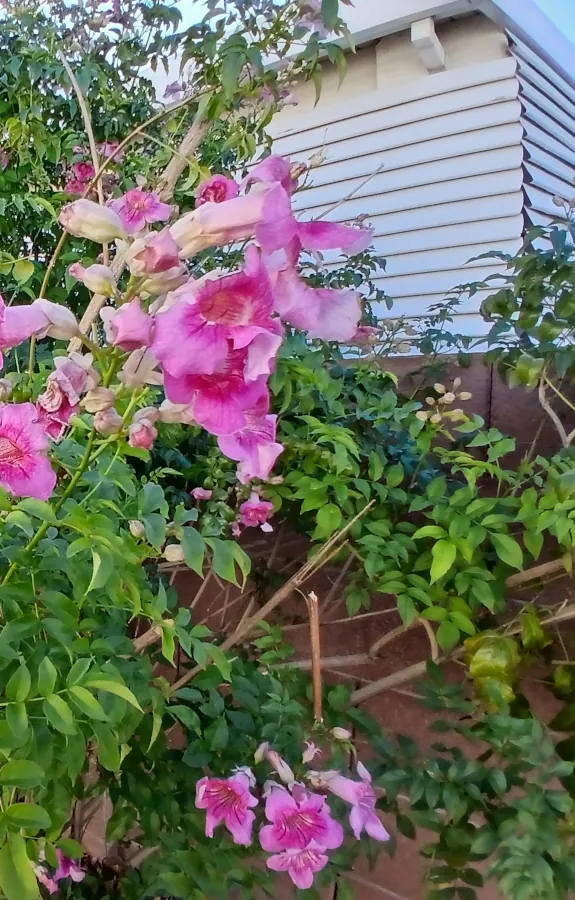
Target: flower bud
x,y
142,431
174,553
136,528
465,395
98,400
200,493
262,752
62,324
280,765
108,422
341,734
152,254
98,279
166,281
86,219
6,388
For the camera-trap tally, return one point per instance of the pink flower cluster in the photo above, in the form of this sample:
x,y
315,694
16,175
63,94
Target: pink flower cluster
x,y
67,868
216,339
300,828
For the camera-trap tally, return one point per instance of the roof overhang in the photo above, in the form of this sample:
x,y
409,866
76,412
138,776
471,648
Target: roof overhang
x,y
523,18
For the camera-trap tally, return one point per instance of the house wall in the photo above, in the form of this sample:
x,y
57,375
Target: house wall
x,y
443,151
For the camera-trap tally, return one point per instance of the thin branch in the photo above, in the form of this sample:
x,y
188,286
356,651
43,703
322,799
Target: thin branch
x,y
315,640
90,134
351,194
545,405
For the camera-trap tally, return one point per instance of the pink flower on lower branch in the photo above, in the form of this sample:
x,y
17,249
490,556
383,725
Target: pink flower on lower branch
x,y
255,446
297,820
228,800
142,431
255,512
67,868
128,327
330,315
25,470
218,401
362,798
301,865
200,493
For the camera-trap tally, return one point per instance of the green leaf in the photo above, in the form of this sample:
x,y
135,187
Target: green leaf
x,y
155,529
23,270
463,623
78,671
151,499
243,561
220,661
218,734
59,714
107,750
28,815
444,553
194,548
17,878
328,520
87,703
102,568
187,717
113,687
394,475
223,559
17,718
47,676
447,636
21,773
19,685
433,531
508,550
406,609
39,509
329,13
71,848
231,68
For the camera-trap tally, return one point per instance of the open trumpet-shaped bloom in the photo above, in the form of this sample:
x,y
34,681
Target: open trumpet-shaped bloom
x,y
128,327
218,402
228,801
213,224
137,208
234,308
331,315
255,446
298,819
25,469
217,189
18,323
361,796
301,865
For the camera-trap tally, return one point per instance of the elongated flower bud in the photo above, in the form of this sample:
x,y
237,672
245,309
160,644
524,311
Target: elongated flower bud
x,y
98,279
86,219
98,400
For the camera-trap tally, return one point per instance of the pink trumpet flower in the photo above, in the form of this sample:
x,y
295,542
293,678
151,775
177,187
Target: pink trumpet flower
x,y
272,169
25,469
128,327
330,315
217,189
255,446
154,253
301,865
234,308
217,401
228,801
255,513
361,796
298,819
137,208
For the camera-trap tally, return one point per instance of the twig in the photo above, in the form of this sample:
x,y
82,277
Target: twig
x,y
90,134
565,438
360,617
201,589
432,639
333,589
548,568
351,194
315,640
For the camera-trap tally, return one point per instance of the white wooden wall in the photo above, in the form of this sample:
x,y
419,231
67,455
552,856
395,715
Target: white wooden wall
x,y
449,144
548,119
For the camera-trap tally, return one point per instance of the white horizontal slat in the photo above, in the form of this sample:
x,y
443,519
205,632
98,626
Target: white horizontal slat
x,y
537,219
423,303
434,173
436,282
416,132
428,195
530,74
550,183
448,258
547,161
541,138
540,118
541,201
478,232
532,95
521,51
405,159
418,112
486,208
403,94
